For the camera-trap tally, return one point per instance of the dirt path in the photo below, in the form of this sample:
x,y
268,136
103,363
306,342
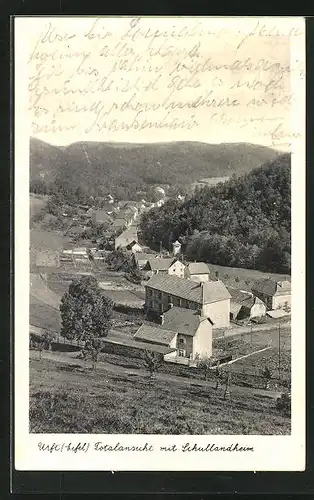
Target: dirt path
x,y
103,366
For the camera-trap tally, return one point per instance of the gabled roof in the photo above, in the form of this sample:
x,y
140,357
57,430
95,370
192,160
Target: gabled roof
x,y
235,308
198,268
183,320
214,291
128,236
155,334
270,286
201,293
158,264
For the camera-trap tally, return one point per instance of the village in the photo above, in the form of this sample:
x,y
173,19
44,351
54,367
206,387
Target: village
x,y
163,303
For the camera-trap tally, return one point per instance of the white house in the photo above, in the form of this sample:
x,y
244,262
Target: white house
x,y
245,305
183,331
211,299
197,271
170,266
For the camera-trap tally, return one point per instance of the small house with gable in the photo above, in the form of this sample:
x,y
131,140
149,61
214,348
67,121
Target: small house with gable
x,y
170,266
275,294
127,239
245,305
197,271
183,331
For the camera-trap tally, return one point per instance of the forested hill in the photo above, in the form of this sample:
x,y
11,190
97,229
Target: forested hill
x,y
125,169
244,222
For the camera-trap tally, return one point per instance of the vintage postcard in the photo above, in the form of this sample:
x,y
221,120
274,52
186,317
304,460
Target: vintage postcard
x,y
159,243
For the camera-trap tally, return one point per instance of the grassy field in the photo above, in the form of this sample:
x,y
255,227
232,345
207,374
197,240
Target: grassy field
x,y
44,315
72,399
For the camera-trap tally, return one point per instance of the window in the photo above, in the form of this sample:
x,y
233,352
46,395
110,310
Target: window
x,y
159,295
181,352
149,292
182,340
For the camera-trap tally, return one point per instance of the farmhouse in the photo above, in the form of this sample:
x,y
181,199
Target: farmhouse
x,y
275,294
245,305
183,330
126,239
170,266
211,299
197,271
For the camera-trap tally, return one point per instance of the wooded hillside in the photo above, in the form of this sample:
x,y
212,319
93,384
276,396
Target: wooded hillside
x,y
244,222
132,171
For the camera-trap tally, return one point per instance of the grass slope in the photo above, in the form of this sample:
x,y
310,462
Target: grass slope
x,y
69,399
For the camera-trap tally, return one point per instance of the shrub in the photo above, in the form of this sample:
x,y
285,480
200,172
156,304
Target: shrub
x,y
283,404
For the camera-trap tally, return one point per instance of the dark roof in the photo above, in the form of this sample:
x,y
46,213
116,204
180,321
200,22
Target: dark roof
x,y
155,334
198,268
116,338
241,297
158,264
201,293
182,320
235,308
270,286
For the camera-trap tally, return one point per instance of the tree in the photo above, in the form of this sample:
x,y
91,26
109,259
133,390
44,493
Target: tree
x,y
218,375
205,365
135,275
48,339
283,403
91,350
85,312
152,361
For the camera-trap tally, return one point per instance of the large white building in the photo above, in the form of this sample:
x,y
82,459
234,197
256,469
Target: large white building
x,y
210,299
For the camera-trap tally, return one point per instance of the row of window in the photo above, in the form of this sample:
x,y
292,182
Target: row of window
x,y
175,301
